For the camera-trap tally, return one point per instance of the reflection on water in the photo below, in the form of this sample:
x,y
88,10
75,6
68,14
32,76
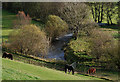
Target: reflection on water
x,y
56,52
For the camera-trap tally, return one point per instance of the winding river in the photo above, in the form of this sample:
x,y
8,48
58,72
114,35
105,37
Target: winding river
x,y
56,52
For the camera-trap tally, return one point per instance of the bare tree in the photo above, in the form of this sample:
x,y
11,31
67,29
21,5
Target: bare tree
x,y
74,13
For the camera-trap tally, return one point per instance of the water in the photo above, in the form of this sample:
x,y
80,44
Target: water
x,y
56,52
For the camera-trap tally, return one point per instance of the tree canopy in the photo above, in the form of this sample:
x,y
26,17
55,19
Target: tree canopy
x,y
55,27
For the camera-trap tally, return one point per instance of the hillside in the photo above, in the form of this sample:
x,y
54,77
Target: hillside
x,y
14,70
7,24
48,70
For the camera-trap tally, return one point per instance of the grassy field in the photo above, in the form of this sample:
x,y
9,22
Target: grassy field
x,y
5,34
101,73
7,24
10,71
14,70
7,19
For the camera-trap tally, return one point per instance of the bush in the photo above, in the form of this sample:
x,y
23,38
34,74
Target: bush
x,y
55,27
78,50
105,48
29,40
100,40
22,19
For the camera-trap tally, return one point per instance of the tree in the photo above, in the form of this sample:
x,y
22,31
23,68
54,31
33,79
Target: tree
x,y
74,14
99,40
113,53
55,27
21,20
77,16
118,13
13,6
97,11
111,10
101,10
29,39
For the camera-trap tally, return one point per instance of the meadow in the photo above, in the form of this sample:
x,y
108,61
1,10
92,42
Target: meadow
x,y
23,71
7,24
14,70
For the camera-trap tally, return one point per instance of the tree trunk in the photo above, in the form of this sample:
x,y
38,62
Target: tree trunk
x,y
110,20
108,17
21,50
101,13
95,12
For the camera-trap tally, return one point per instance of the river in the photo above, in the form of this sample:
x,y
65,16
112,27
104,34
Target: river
x,y
55,51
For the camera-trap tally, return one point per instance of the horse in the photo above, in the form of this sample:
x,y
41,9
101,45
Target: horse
x,y
69,68
7,55
91,70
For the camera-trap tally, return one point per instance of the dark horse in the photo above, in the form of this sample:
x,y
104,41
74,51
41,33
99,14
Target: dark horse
x,y
7,55
69,68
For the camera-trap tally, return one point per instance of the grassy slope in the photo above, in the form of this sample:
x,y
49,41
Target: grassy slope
x,y
7,23
7,19
13,70
82,44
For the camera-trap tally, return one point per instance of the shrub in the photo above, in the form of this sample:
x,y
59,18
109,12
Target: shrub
x,y
55,27
29,40
22,19
102,44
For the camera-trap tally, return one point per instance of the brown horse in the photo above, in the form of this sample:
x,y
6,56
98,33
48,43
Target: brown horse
x,y
7,55
91,70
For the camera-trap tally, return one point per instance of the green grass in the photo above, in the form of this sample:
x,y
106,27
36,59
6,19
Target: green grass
x,y
7,24
114,32
7,19
14,70
117,35
109,74
5,33
80,44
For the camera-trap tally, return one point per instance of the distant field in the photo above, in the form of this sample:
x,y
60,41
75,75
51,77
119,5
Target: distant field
x,y
7,19
7,23
5,34
14,70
